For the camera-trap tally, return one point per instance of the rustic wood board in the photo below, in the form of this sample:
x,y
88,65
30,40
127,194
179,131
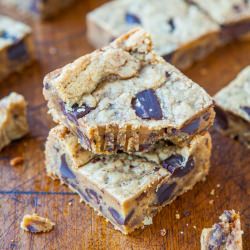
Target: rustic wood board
x,y
26,189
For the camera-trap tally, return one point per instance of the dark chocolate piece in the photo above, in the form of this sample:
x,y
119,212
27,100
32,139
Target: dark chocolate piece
x,y
32,229
118,218
7,35
168,57
171,24
182,171
246,109
65,171
92,195
221,120
191,127
217,237
173,162
146,105
132,19
164,192
17,51
167,74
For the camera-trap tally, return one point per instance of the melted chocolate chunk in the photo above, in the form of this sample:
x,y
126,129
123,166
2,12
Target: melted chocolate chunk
x,y
246,109
132,19
191,127
18,51
118,218
173,162
182,171
92,195
164,192
221,120
146,105
171,24
65,171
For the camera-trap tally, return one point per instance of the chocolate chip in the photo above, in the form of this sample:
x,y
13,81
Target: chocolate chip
x,y
164,192
246,109
132,19
65,171
221,120
32,229
92,195
7,35
146,105
47,86
191,127
171,24
17,51
173,162
217,237
182,171
118,218
168,57
167,74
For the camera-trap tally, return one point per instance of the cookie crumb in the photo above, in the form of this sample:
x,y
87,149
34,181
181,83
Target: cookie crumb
x,y
16,161
187,224
181,232
212,192
211,202
36,224
177,216
163,232
194,227
218,185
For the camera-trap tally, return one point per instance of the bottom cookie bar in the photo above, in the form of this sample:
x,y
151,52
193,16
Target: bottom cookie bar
x,y
128,190
225,235
13,118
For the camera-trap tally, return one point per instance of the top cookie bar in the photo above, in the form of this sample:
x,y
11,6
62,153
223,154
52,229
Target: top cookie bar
x,y
181,32
125,97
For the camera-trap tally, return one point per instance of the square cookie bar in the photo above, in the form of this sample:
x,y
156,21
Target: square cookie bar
x,y
233,16
13,118
43,8
233,108
225,235
181,32
16,46
125,97
128,190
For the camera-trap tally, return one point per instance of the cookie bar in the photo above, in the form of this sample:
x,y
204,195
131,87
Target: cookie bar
x,y
43,9
125,97
181,32
128,190
13,119
225,235
233,108
16,46
233,16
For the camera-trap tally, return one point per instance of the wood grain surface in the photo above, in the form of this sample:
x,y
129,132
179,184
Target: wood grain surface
x,y
26,189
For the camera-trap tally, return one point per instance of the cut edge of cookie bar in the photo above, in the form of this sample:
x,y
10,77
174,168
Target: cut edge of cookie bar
x,y
99,34
233,108
17,47
110,137
112,198
226,234
13,118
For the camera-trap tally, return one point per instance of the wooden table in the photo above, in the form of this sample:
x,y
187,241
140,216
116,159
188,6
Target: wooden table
x,y
26,189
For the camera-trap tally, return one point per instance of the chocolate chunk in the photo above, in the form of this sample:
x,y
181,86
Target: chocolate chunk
x,y
217,237
118,218
246,109
65,171
46,86
182,171
92,195
76,187
32,229
17,51
7,35
132,19
146,105
191,127
164,192
168,57
167,74
173,162
171,24
221,120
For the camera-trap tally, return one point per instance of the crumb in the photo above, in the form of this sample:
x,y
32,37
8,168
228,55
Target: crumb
x,y
16,161
147,221
212,192
177,216
187,224
203,71
36,224
181,232
218,185
194,227
163,232
211,202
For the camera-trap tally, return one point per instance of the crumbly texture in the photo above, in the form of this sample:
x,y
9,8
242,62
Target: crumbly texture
x,y
226,11
233,112
125,95
16,46
44,9
128,190
36,224
13,119
174,25
225,235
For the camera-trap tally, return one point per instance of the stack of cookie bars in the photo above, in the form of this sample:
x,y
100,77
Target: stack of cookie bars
x,y
132,133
